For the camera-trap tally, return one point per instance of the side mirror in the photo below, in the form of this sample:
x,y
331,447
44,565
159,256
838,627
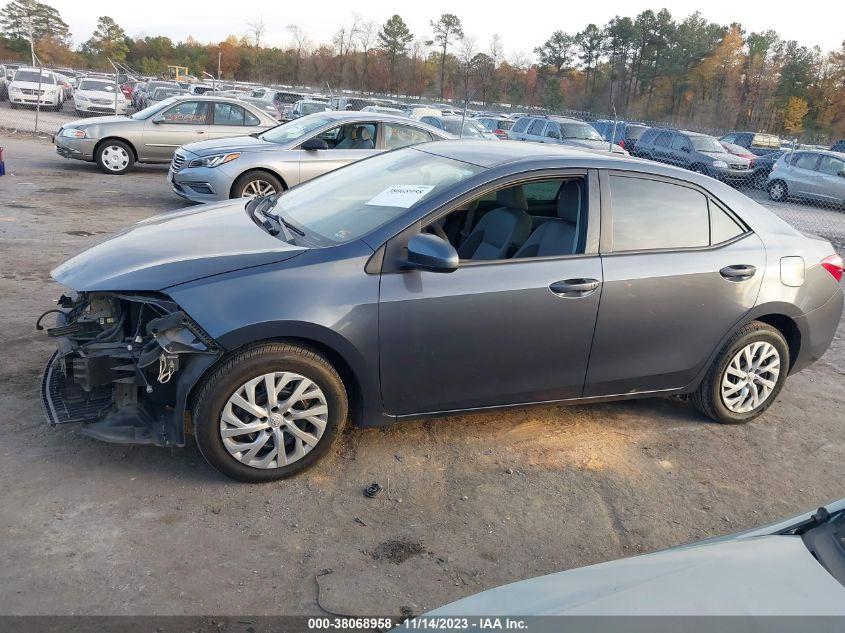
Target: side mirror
x,y
313,144
686,149
159,118
431,253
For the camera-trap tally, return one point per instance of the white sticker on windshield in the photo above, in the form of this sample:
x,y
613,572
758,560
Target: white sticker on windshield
x,y
400,195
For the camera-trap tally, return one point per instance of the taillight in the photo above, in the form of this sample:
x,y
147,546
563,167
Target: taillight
x,y
501,134
621,143
833,265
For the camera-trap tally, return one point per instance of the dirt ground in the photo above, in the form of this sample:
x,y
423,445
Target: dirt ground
x,y
471,502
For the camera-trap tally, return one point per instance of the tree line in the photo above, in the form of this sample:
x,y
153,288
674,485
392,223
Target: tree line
x,y
652,67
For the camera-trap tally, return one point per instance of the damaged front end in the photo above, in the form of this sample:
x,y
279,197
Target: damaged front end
x,y
124,366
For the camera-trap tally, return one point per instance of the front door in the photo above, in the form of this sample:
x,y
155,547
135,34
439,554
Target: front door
x,y
182,123
347,143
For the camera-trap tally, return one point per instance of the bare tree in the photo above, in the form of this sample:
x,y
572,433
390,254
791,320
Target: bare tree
x,y
256,30
300,45
344,40
466,53
367,34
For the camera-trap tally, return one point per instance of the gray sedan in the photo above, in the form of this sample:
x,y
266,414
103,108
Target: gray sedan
x,y
115,143
289,154
811,175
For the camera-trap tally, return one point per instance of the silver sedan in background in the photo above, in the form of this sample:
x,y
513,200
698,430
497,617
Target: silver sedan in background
x,y
817,175
289,154
115,143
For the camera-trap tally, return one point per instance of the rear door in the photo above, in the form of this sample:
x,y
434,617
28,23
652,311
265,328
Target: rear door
x,y
679,272
184,122
830,184
232,119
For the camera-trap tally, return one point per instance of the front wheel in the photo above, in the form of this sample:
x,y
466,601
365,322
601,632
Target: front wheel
x,y
115,157
746,377
777,190
269,412
256,184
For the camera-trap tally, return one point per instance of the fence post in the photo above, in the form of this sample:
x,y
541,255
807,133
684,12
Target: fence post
x,y
38,98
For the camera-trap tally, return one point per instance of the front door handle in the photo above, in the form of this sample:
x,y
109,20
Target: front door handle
x,y
738,272
574,287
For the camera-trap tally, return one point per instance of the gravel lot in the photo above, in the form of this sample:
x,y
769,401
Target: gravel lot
x,y
474,501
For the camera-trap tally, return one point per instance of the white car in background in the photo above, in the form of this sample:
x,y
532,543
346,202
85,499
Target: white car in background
x,y
26,84
98,96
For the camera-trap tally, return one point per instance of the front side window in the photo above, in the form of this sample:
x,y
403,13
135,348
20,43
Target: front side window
x,y
350,136
537,126
521,124
580,131
650,214
804,160
396,135
191,112
664,139
706,144
369,194
553,130
831,165
679,142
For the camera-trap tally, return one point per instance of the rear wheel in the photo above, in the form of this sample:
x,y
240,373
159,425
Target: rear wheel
x,y
778,191
256,184
269,412
746,377
115,157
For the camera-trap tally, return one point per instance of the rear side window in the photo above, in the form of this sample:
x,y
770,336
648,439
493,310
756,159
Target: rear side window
x,y
722,226
537,126
649,214
521,124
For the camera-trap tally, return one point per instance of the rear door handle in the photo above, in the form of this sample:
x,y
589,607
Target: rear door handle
x,y
738,272
574,287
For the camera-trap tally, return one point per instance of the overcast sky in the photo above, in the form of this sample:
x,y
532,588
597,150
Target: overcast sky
x,y
522,26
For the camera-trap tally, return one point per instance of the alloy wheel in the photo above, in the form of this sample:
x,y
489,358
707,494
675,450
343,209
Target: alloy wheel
x,y
115,158
274,420
776,191
750,377
258,189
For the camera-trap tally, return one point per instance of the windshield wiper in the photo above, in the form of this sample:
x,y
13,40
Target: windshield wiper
x,y
273,223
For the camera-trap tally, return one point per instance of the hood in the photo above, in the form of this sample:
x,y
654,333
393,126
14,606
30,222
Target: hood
x,y
99,94
233,144
94,121
174,248
761,576
33,85
726,156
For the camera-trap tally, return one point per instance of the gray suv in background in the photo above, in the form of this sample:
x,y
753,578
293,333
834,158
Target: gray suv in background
x,y
562,131
697,152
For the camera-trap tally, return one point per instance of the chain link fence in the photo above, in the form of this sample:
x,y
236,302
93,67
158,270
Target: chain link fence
x,y
804,184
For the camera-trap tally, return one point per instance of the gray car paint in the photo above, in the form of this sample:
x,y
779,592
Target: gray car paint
x,y
152,142
758,574
290,164
810,183
373,319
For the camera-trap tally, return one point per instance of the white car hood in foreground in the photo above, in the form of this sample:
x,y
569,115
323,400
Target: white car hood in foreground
x,y
758,576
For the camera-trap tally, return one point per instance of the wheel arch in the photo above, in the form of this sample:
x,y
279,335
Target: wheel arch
x,y
362,391
266,170
131,145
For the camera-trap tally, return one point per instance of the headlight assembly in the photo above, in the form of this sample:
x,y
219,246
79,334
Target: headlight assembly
x,y
73,132
720,164
214,160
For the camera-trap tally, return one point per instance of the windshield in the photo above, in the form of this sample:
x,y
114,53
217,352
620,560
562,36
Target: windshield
x,y
369,194
32,75
88,84
580,131
146,113
706,144
295,129
472,129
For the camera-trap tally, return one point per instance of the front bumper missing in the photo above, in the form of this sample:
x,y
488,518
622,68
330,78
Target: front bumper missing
x,y
116,388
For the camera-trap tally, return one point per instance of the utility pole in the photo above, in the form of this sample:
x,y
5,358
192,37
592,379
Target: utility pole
x,y
31,44
219,57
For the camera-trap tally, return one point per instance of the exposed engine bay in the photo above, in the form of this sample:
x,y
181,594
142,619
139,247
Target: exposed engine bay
x,y
117,365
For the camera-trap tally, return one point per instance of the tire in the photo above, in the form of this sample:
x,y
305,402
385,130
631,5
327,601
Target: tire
x,y
284,362
759,180
254,183
114,157
778,190
713,396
